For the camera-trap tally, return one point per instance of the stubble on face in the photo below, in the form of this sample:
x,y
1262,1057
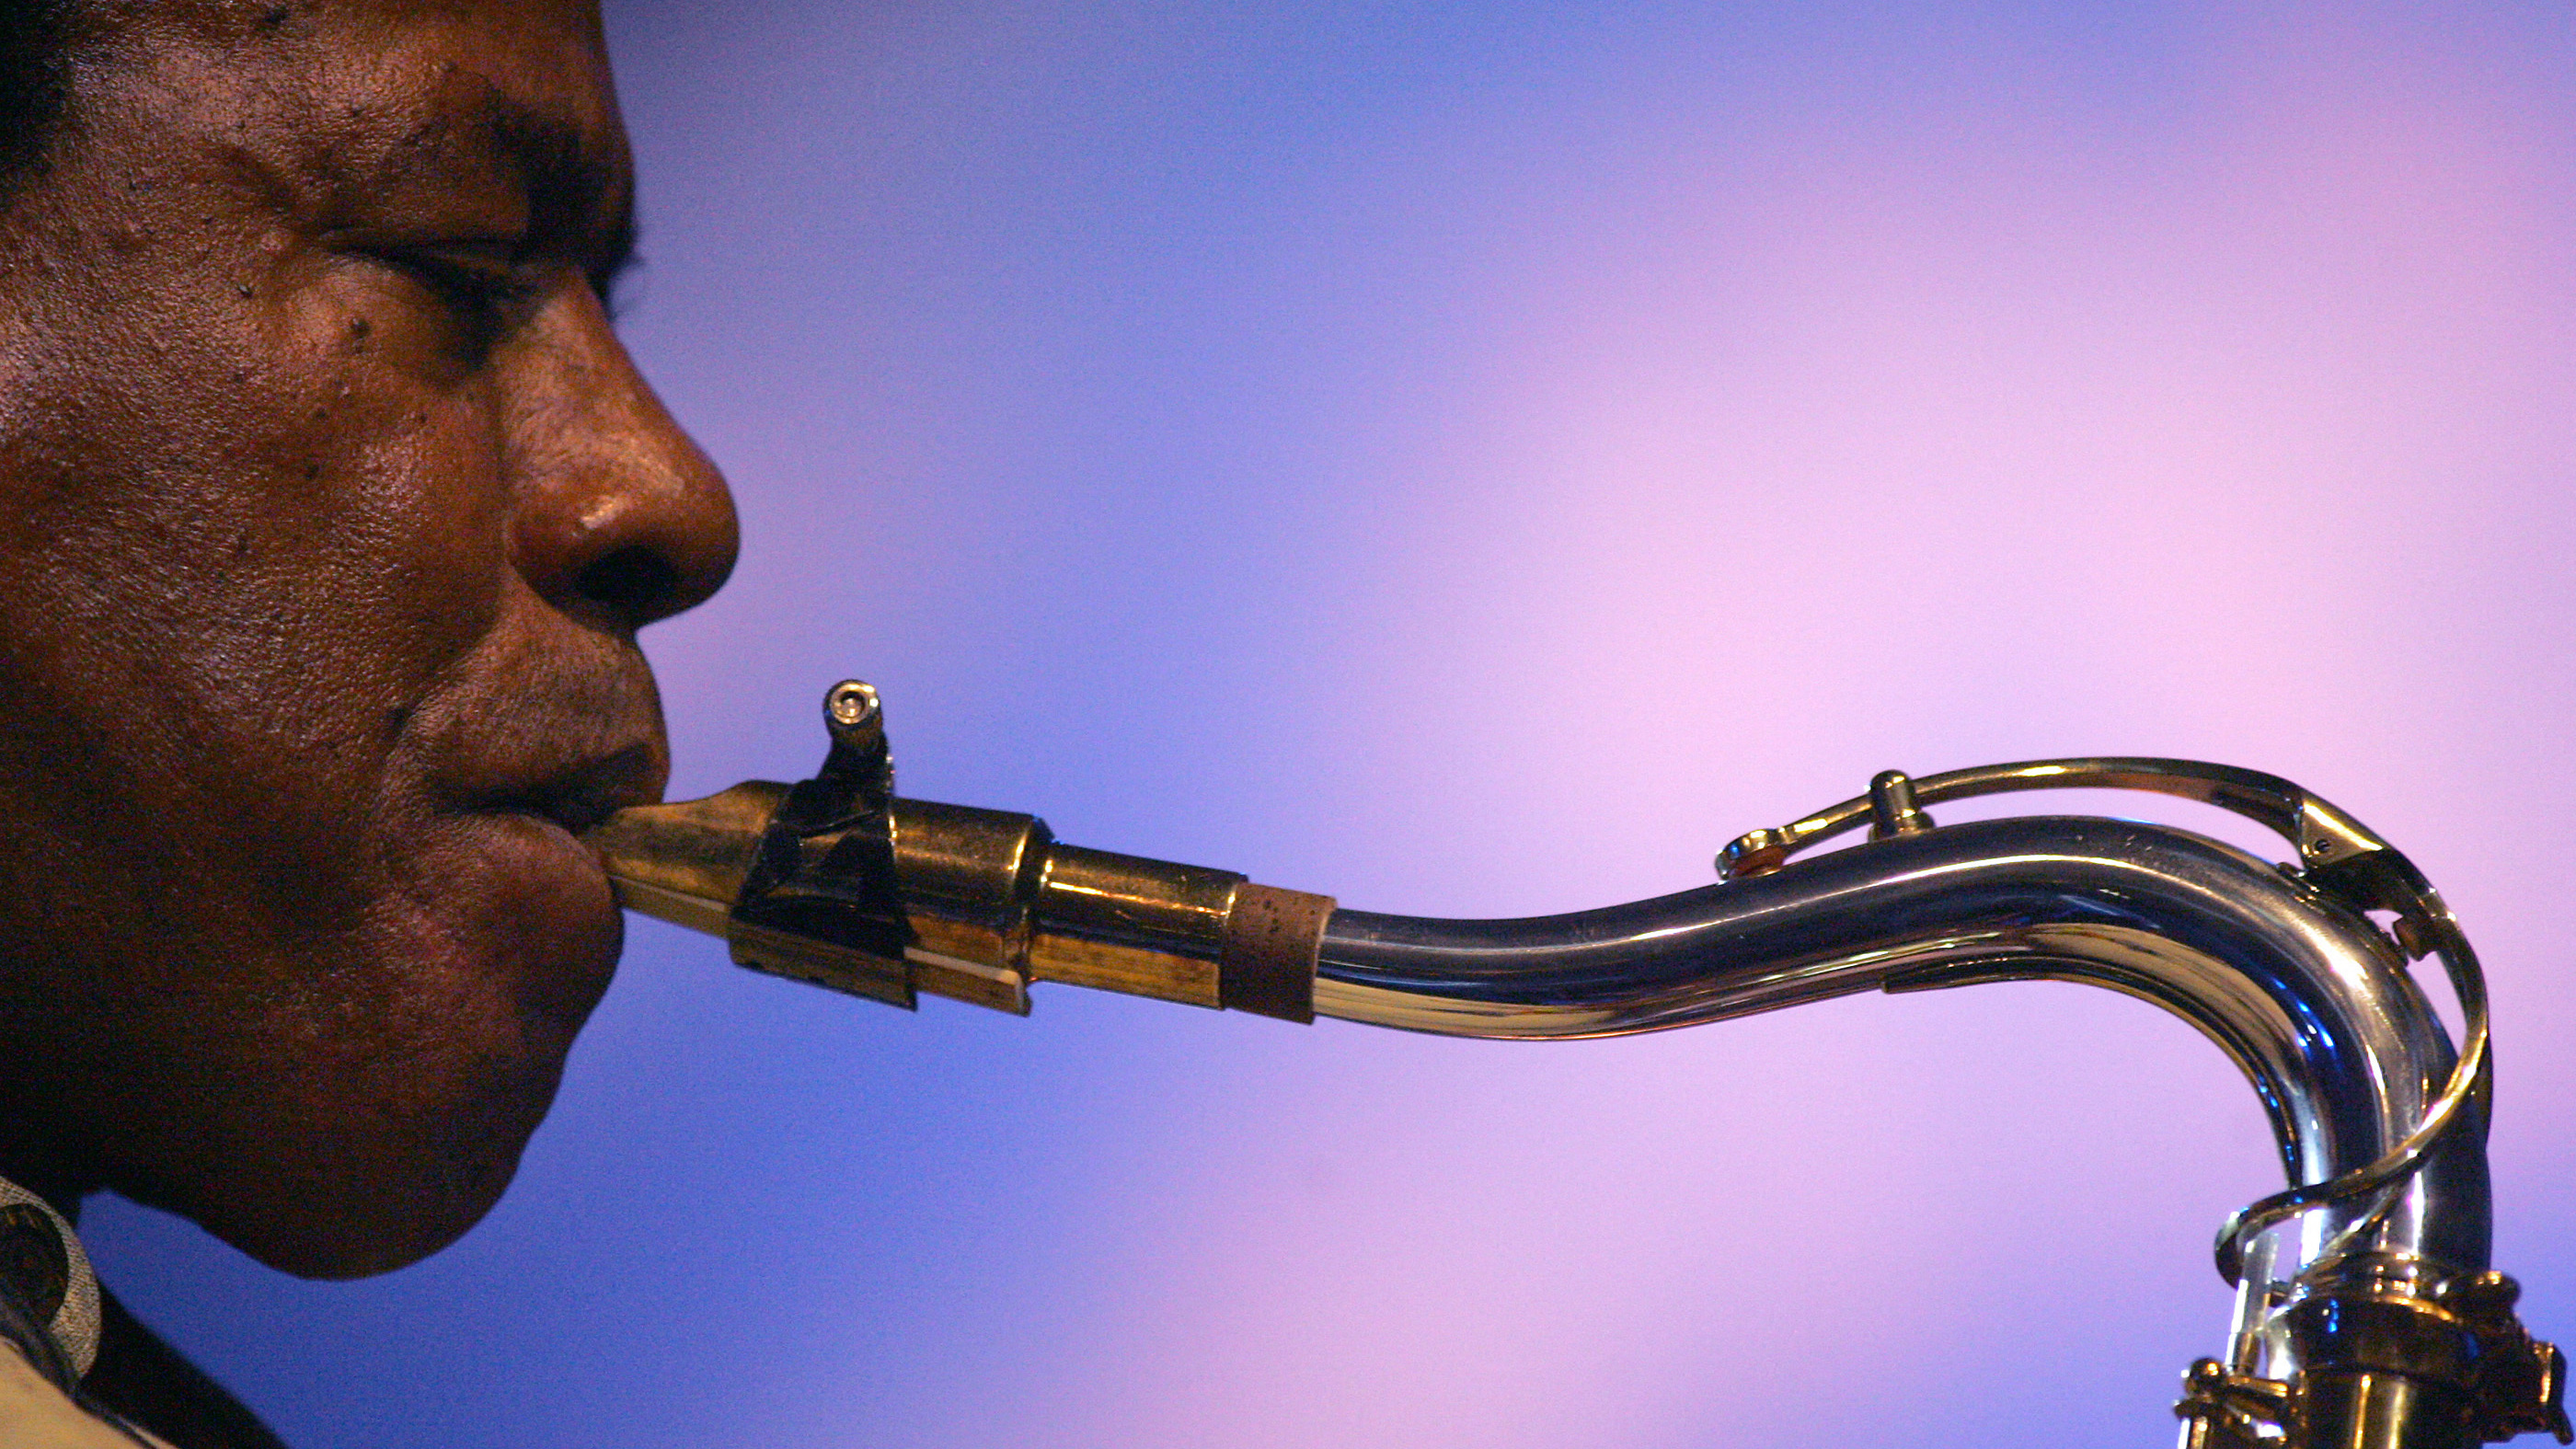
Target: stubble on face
x,y
314,444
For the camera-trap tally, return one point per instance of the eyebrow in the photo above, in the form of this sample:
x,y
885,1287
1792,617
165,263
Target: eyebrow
x,y
581,202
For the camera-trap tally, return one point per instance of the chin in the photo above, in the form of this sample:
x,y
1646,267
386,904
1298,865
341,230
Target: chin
x,y
419,1089
398,1206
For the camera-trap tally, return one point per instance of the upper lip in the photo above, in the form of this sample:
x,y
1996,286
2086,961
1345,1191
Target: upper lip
x,y
583,794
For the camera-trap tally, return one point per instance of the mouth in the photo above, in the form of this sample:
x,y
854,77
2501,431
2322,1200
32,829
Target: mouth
x,y
579,796
532,905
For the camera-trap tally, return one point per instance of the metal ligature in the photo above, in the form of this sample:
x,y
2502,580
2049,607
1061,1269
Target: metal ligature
x,y
2367,1316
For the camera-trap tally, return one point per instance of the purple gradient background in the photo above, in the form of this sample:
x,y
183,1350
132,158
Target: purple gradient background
x,y
1475,460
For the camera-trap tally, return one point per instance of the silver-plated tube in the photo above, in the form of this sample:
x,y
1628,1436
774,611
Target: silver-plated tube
x,y
2307,997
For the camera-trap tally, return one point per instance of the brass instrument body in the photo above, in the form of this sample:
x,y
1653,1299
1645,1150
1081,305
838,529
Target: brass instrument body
x,y
2367,1316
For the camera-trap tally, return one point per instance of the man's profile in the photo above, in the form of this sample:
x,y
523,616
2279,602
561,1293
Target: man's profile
x,y
333,506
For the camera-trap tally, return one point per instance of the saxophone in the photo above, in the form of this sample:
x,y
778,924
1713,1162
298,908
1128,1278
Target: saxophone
x,y
2366,1314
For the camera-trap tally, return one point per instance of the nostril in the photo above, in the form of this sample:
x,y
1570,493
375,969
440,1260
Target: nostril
x,y
636,582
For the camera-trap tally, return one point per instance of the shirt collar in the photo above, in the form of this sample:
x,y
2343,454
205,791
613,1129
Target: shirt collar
x,y
43,1268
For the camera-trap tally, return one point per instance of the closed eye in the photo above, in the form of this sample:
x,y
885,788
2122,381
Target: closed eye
x,y
482,286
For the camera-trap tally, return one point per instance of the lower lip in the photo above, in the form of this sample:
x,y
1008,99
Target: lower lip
x,y
558,899
555,842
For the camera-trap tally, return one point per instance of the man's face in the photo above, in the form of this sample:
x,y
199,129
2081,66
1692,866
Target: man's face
x,y
329,507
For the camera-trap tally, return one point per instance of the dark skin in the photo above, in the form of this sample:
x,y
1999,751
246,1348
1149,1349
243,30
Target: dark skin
x,y
332,508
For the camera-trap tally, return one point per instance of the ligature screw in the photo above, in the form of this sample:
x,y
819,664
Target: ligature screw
x,y
850,702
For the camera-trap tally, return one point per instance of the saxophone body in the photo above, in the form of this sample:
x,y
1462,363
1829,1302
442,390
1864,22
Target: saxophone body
x,y
2367,1313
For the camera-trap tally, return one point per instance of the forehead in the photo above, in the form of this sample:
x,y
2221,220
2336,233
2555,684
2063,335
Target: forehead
x,y
325,87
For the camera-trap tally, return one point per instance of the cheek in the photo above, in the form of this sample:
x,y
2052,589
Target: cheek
x,y
429,498
407,473
239,551
294,525
362,493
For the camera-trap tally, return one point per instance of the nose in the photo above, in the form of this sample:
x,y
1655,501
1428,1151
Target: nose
x,y
618,516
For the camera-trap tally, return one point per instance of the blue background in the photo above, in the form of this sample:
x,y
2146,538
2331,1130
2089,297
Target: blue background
x,y
1476,459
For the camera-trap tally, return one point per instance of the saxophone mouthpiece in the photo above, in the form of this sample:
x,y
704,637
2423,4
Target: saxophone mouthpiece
x,y
839,882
